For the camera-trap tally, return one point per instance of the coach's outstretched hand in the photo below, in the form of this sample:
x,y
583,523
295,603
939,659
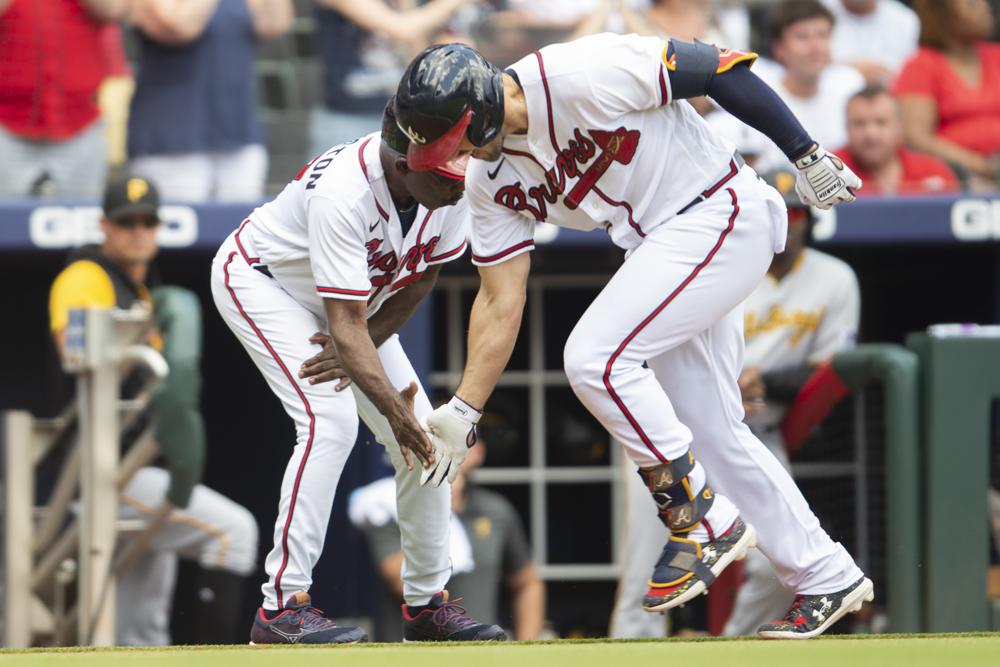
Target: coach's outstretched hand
x,y
824,179
452,428
410,434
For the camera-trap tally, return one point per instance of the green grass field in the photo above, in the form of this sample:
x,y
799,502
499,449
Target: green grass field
x,y
965,650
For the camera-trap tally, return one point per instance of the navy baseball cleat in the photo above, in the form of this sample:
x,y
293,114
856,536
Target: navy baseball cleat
x,y
301,623
443,621
687,568
811,615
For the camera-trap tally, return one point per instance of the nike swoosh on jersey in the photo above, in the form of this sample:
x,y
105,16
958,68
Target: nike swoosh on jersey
x,y
493,174
374,225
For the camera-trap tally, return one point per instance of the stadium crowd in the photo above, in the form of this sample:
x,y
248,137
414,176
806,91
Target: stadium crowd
x,y
187,92
223,100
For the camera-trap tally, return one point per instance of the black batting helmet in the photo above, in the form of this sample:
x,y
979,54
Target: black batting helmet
x,y
448,92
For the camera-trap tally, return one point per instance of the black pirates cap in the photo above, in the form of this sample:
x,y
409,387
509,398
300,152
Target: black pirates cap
x,y
133,194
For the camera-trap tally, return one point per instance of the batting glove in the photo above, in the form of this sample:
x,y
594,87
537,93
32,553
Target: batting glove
x,y
824,180
452,428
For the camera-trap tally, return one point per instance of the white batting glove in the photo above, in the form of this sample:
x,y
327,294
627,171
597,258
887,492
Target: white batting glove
x,y
452,428
824,180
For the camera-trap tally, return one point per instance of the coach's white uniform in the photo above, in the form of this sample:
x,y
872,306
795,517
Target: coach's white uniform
x,y
607,148
334,232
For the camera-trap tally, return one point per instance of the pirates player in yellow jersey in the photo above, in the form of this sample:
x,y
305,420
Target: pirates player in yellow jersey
x,y
204,525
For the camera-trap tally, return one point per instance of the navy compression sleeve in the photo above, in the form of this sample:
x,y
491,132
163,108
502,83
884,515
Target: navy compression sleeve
x,y
743,94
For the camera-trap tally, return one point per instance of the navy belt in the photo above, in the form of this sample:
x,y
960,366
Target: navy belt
x,y
734,168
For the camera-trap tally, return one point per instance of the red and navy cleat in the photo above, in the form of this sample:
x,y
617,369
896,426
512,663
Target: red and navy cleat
x,y
301,623
687,568
811,615
444,621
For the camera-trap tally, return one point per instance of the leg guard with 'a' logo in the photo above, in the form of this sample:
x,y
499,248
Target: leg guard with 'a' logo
x,y
681,507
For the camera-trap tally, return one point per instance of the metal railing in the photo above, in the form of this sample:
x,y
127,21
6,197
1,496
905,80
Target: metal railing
x,y
48,547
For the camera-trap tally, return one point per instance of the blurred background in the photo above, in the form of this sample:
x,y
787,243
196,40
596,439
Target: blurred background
x,y
216,104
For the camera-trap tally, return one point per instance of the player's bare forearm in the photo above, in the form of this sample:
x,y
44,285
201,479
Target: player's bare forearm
x,y
528,603
493,327
349,330
397,311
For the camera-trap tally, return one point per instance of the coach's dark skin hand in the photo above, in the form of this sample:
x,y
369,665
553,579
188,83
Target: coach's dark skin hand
x,y
325,366
407,429
356,352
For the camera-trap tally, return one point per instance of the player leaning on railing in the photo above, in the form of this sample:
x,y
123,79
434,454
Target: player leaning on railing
x,y
596,134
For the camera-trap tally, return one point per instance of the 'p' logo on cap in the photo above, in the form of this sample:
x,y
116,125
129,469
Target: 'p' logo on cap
x,y
136,189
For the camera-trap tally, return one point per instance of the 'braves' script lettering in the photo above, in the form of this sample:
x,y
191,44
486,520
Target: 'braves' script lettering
x,y
618,146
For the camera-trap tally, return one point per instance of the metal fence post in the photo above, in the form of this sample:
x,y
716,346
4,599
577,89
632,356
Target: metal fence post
x,y
18,499
97,393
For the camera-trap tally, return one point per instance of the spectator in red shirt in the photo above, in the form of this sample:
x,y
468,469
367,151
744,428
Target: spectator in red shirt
x,y
875,150
950,90
52,66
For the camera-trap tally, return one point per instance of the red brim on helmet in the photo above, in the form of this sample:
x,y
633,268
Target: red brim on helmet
x,y
454,168
427,156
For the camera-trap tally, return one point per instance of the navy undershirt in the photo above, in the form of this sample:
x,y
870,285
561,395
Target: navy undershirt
x,y
407,216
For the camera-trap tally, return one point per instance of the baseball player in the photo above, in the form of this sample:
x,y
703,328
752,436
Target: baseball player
x,y
350,246
804,312
596,134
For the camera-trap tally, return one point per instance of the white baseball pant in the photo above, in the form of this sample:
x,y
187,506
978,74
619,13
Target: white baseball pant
x,y
274,329
656,357
215,531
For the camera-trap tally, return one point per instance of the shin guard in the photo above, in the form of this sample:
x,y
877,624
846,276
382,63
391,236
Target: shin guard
x,y
681,508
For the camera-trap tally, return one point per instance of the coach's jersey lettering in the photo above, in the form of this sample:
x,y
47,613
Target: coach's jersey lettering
x,y
318,165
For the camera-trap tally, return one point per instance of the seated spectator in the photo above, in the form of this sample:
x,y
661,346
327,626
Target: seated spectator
x,y
194,127
950,89
489,549
365,45
203,524
875,150
813,88
874,36
52,66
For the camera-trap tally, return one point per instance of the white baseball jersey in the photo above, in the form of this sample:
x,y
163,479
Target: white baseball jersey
x,y
334,232
806,317
607,148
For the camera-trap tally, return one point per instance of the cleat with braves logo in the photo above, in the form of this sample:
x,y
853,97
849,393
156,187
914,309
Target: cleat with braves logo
x,y
811,615
444,621
687,568
301,623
